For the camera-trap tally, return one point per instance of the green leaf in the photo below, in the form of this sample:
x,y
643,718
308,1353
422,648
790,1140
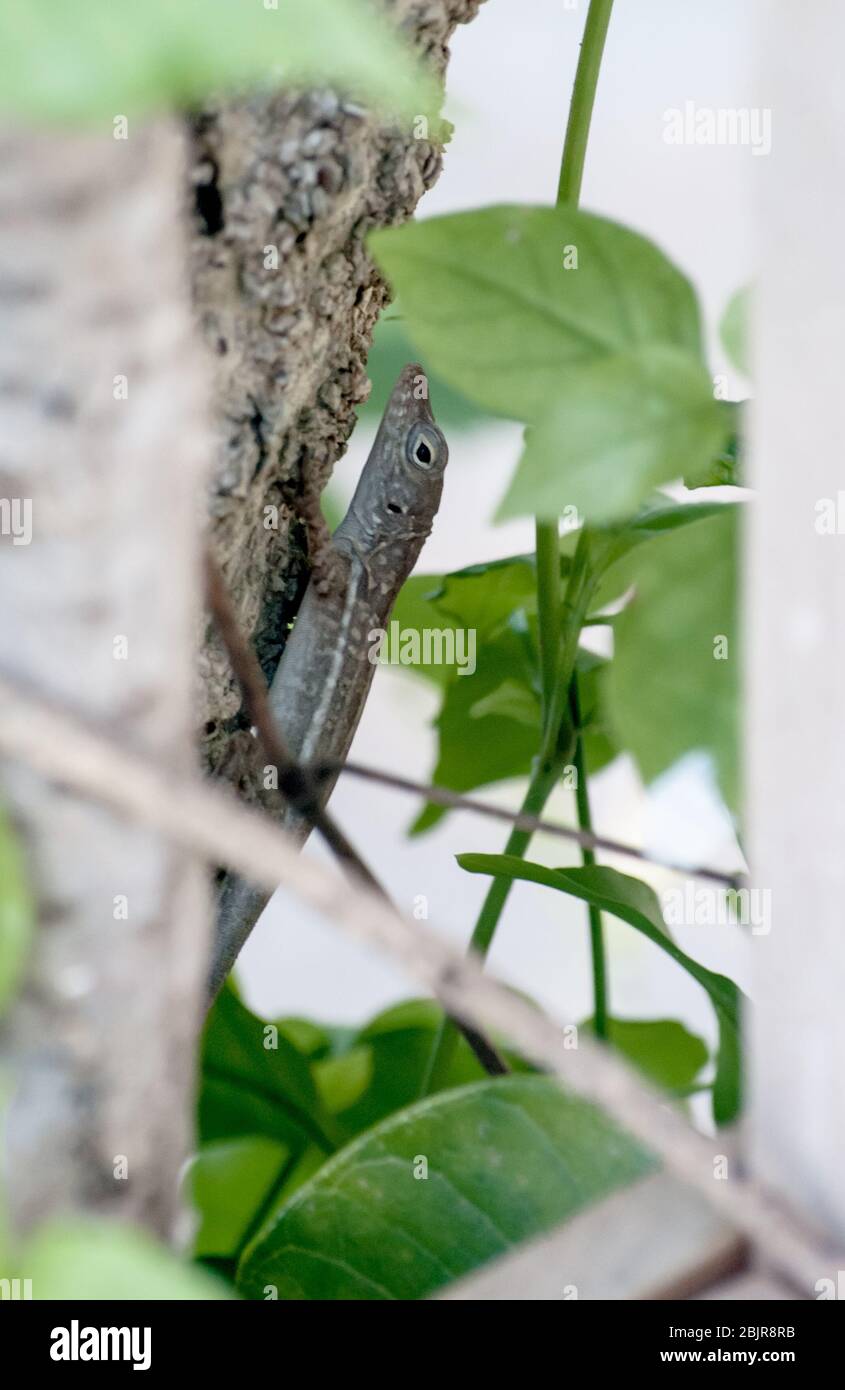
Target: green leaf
x,y
618,426
733,329
506,1160
96,58
397,1046
488,301
77,1259
726,469
392,349
485,596
310,1038
230,1183
489,726
511,700
635,903
480,598
673,684
255,1081
600,747
479,743
664,1049
342,1080
17,913
658,517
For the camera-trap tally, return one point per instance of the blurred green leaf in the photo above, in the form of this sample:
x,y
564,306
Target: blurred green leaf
x,y
636,903
619,426
310,1038
17,912
665,1050
674,681
73,1260
255,1081
342,1080
389,1062
95,59
733,329
726,469
230,1182
505,1160
490,304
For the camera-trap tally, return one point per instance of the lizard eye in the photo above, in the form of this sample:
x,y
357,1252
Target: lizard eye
x,y
424,447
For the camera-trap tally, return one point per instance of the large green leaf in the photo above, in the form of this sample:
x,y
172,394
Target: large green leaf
x,y
17,912
506,1160
94,59
616,428
635,903
255,1081
487,298
673,684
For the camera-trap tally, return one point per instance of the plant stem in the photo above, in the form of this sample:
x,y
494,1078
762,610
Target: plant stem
x,y
559,624
554,755
579,590
582,799
542,782
581,105
548,607
569,191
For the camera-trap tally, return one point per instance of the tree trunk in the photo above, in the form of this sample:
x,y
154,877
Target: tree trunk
x,y
286,188
102,416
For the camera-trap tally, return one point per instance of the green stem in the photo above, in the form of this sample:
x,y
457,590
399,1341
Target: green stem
x,y
559,624
542,783
548,606
583,97
569,191
579,590
554,756
585,822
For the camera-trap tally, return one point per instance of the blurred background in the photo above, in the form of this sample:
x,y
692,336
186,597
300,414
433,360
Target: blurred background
x,y
510,80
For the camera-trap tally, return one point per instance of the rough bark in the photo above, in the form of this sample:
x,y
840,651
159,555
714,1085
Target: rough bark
x,y
93,288
300,177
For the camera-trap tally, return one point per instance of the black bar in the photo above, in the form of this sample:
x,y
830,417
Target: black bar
x,y
260,1339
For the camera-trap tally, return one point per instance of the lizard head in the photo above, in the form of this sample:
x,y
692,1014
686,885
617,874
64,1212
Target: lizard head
x,y
399,490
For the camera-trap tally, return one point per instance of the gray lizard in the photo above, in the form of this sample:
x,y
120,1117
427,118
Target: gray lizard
x,y
322,681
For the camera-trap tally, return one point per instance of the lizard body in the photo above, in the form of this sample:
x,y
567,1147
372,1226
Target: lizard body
x,y
322,681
